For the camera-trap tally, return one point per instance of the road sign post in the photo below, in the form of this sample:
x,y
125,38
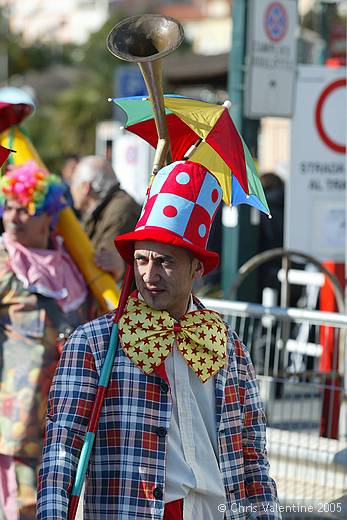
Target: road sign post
x,y
239,235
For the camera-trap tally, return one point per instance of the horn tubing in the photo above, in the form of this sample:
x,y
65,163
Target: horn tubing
x,y
152,74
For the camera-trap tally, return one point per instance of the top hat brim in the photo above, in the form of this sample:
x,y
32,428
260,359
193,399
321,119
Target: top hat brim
x,y
125,246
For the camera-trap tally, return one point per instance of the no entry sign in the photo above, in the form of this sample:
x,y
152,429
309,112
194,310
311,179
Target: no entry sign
x,y
315,194
326,95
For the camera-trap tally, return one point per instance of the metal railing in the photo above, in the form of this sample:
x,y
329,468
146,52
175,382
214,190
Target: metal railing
x,y
300,358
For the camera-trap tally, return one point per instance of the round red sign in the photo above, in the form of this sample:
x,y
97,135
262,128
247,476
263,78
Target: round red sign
x,y
336,147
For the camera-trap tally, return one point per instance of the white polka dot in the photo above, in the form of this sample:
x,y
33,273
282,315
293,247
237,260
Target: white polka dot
x,y
182,178
202,230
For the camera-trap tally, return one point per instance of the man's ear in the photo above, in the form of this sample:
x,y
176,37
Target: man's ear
x,y
198,269
86,188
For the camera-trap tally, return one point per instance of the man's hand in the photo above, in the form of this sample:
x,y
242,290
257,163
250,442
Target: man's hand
x,y
110,261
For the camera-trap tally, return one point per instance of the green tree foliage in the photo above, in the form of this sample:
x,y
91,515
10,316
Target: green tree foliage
x,y
65,120
66,116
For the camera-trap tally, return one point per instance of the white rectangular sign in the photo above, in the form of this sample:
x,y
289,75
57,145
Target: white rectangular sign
x,y
270,58
132,161
315,192
132,157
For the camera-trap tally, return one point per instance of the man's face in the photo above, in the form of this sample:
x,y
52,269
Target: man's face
x,y
164,275
30,231
80,194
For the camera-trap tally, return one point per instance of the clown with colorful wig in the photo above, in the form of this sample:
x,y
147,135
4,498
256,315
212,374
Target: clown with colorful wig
x,y
43,297
181,434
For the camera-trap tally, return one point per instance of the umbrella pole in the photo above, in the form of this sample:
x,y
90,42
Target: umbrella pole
x,y
99,398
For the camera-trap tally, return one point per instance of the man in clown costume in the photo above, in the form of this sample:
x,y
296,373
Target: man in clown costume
x,y
42,296
182,431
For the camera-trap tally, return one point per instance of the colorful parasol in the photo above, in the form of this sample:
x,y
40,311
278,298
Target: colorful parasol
x,y
205,132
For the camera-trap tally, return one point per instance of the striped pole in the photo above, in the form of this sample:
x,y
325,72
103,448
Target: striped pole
x,y
99,399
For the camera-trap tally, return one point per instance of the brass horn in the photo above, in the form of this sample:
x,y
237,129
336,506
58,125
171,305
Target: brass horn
x,y
145,40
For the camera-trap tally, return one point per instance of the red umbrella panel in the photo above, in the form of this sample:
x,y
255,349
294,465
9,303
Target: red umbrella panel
x,y
4,153
12,114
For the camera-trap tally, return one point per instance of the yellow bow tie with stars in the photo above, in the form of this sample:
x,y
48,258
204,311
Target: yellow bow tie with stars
x,y
147,337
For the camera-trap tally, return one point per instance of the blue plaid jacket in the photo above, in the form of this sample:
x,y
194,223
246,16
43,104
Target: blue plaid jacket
x,y
126,474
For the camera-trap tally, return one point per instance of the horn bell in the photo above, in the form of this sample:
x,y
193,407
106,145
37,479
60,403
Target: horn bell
x,y
145,38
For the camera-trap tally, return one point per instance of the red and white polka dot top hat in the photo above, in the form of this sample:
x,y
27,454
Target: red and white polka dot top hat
x,y
179,210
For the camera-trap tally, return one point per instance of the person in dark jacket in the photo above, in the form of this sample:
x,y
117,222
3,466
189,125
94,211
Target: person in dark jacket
x,y
106,209
271,232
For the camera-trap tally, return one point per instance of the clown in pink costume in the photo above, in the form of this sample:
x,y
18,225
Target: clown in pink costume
x,y
43,295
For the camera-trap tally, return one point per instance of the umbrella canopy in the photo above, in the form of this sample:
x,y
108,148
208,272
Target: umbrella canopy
x,y
219,146
15,105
